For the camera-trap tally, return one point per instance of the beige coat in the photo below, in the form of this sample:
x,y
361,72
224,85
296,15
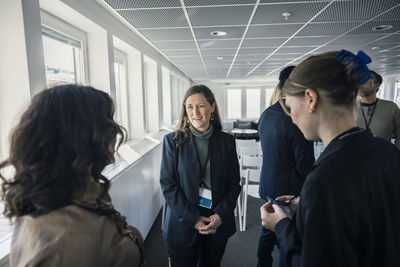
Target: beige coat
x,y
76,236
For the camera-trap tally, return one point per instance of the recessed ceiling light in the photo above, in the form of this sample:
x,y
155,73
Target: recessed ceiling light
x,y
375,47
218,58
382,27
218,33
286,15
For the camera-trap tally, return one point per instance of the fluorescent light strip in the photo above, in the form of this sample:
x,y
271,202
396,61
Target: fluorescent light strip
x,y
194,36
291,37
243,36
337,37
138,33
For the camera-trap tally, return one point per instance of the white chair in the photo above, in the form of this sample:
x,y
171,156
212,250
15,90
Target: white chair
x,y
248,151
250,169
248,142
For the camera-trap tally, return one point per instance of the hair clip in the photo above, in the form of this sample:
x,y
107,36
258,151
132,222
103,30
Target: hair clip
x,y
357,63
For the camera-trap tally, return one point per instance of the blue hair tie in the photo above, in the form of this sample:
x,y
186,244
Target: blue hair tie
x,y
357,63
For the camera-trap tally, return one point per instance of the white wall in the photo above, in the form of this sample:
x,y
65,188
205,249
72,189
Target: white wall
x,y
17,78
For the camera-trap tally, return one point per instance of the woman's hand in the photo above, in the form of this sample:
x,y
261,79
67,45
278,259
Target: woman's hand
x,y
201,223
271,215
211,228
295,201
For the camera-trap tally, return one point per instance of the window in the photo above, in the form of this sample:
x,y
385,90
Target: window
x,y
397,93
175,98
381,92
151,95
234,97
252,103
166,95
268,95
121,90
64,49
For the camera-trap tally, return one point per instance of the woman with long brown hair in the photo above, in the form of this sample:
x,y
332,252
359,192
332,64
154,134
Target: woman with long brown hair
x,y
57,195
200,181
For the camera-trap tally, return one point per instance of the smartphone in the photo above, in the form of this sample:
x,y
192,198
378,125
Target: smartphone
x,y
284,206
281,203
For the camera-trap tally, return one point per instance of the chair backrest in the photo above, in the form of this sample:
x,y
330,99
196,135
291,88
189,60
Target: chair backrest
x,y
249,142
251,162
253,175
248,151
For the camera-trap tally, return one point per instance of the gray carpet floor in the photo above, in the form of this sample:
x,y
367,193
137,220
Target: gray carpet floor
x,y
241,250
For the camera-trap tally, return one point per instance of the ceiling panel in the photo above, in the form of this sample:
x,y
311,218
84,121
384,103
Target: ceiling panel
x,y
264,42
219,44
176,45
355,10
232,32
392,14
167,34
155,18
299,13
389,39
307,40
218,52
296,49
217,2
327,29
367,27
124,4
209,16
286,30
348,40
255,51
181,53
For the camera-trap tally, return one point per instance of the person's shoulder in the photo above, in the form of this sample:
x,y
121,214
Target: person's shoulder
x,y
387,103
224,135
171,137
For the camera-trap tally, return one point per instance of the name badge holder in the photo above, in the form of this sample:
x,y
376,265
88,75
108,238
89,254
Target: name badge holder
x,y
205,198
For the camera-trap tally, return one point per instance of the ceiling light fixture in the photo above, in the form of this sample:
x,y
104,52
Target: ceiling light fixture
x,y
382,27
286,15
376,48
218,33
218,58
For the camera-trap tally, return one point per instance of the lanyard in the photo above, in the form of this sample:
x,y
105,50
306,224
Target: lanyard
x,y
372,114
202,168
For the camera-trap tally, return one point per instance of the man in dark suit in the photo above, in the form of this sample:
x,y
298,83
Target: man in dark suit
x,y
287,159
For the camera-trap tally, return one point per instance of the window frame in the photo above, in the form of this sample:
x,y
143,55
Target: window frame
x,y
62,29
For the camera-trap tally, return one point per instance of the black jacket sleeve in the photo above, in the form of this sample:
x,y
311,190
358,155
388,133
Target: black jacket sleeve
x,y
169,180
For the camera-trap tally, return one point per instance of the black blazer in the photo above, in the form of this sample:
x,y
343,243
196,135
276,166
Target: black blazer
x,y
287,156
180,181
349,211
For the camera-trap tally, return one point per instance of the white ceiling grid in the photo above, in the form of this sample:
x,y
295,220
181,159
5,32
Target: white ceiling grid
x,y
259,40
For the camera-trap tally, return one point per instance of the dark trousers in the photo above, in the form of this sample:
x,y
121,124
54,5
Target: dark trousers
x,y
266,245
205,252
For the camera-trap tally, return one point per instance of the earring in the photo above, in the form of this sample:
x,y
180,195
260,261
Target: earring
x,y
311,110
212,116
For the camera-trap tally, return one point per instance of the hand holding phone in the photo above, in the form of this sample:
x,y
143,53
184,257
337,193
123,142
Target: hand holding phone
x,y
285,205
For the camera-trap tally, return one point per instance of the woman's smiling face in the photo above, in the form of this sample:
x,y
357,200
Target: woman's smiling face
x,y
199,111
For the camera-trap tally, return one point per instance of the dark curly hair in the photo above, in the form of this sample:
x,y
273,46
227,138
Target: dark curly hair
x,y
65,136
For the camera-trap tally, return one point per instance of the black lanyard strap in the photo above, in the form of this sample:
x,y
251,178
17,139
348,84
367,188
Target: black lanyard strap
x,y
202,167
372,113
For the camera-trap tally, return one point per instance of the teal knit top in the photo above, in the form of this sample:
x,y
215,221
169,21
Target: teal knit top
x,y
201,141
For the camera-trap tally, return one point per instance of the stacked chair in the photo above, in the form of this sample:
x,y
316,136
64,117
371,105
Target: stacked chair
x,y
250,160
